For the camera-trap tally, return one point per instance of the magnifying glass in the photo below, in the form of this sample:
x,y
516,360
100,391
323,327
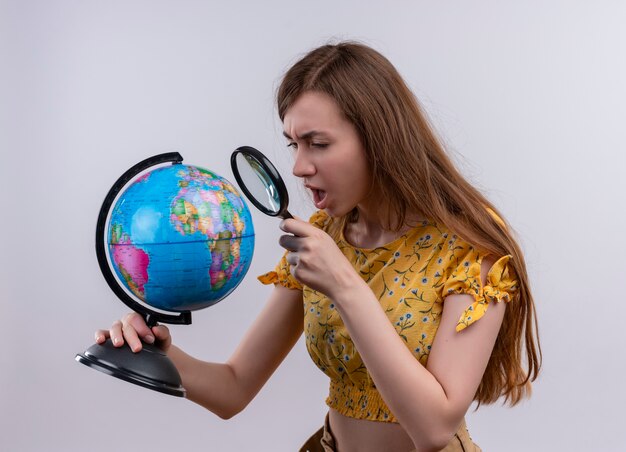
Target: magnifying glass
x,y
259,180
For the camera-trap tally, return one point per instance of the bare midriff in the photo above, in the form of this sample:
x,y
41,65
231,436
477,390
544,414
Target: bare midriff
x,y
359,435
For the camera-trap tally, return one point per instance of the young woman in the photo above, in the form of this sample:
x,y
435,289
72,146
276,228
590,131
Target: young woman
x,y
408,285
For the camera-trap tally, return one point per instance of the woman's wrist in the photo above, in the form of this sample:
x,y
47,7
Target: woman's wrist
x,y
350,287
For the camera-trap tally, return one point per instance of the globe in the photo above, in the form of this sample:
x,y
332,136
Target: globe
x,y
180,238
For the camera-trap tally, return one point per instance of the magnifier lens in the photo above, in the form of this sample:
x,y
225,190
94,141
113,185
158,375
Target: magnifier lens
x,y
258,182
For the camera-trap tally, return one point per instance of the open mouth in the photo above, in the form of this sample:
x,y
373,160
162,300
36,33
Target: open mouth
x,y
319,198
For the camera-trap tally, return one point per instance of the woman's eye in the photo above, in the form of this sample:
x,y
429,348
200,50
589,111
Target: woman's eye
x,y
319,145
292,145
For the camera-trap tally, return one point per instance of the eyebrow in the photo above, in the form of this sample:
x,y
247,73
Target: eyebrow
x,y
306,135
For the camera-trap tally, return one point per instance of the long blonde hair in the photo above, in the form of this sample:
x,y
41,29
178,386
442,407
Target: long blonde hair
x,y
412,171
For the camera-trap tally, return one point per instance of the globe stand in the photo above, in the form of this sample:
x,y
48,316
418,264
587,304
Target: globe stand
x,y
150,368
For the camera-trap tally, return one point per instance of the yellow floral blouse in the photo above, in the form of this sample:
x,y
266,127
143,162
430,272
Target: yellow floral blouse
x,y
411,277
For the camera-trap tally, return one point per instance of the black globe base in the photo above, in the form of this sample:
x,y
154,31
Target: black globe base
x,y
150,368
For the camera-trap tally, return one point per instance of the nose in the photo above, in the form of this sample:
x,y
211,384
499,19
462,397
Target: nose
x,y
303,166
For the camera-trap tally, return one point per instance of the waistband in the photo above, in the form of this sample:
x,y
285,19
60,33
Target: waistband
x,y
364,402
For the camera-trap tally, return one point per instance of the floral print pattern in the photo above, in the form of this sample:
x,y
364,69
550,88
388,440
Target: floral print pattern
x,y
411,277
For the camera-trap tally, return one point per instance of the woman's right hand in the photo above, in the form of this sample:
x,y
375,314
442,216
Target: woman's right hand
x,y
132,329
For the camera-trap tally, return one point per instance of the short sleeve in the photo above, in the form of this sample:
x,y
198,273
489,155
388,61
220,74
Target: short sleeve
x,y
281,273
501,285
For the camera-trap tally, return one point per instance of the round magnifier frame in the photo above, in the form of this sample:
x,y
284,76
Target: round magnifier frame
x,y
273,175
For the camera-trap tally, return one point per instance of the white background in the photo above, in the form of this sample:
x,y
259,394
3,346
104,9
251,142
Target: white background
x,y
529,97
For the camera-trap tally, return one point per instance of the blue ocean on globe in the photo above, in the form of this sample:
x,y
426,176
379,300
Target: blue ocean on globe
x,y
180,238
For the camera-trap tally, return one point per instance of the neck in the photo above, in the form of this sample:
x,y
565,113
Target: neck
x,y
372,228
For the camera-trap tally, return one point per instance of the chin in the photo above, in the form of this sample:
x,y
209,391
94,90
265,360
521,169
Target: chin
x,y
336,213
330,212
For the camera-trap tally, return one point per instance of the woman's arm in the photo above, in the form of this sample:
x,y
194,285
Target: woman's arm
x,y
430,401
226,388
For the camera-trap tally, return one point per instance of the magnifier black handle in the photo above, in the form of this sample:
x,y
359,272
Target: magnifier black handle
x,y
151,317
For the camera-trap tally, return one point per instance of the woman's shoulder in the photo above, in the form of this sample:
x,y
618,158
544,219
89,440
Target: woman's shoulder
x,y
429,235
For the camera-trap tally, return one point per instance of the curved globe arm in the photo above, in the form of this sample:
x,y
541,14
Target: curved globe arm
x,y
151,317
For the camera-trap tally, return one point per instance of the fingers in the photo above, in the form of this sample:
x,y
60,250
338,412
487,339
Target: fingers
x,y
131,336
290,242
101,336
297,227
115,333
163,337
161,332
131,329
139,325
293,259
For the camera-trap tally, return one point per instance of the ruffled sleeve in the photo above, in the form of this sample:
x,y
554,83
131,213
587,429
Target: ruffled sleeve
x,y
281,273
502,285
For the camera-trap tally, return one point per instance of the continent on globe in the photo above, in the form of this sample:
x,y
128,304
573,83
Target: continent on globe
x,y
132,262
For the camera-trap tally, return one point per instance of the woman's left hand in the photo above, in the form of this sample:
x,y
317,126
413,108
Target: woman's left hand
x,y
314,258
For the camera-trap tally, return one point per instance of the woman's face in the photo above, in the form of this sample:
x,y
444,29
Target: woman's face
x,y
329,156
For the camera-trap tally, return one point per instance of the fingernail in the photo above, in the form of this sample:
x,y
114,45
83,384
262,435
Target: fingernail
x,y
117,340
149,339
